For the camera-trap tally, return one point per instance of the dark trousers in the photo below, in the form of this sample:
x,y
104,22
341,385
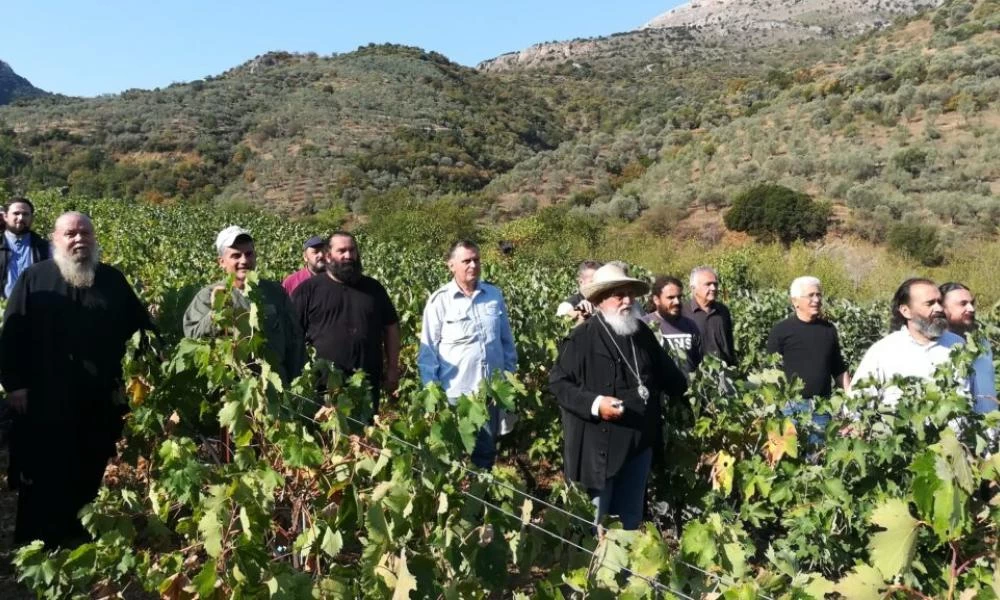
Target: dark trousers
x,y
625,493
61,468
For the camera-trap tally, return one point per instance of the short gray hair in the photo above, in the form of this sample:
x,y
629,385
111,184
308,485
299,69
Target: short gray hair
x,y
588,265
701,269
800,283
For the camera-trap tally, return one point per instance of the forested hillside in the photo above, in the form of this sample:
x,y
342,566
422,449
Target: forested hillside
x,y
292,132
892,130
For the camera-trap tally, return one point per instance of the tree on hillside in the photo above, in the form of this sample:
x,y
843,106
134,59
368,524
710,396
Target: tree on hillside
x,y
918,241
771,212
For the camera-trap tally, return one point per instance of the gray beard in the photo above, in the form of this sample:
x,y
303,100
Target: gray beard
x,y
79,274
931,329
623,325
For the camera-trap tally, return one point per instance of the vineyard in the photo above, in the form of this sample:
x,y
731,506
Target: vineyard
x,y
230,485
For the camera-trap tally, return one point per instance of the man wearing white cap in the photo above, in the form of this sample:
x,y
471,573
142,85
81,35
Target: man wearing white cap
x,y
608,380
285,348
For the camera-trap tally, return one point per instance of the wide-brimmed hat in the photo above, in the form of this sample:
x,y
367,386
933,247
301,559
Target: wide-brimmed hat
x,y
611,277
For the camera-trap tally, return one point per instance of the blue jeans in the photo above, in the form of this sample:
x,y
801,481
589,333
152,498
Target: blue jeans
x,y
817,430
484,453
624,493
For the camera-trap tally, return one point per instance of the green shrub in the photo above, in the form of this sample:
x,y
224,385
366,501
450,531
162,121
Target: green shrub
x,y
428,225
918,241
772,212
912,160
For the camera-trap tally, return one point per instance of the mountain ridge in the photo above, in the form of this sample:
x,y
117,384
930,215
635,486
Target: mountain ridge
x,y
727,23
15,87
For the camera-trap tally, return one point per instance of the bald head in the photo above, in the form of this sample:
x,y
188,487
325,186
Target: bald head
x,y
73,236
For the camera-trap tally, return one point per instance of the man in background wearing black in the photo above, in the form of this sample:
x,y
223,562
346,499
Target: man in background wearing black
x,y
576,307
349,318
809,347
712,317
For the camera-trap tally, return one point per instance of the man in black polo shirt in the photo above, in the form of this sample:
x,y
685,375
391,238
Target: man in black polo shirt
x,y
712,317
349,318
809,347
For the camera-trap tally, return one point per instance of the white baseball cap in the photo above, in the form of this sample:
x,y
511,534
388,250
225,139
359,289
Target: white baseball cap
x,y
228,236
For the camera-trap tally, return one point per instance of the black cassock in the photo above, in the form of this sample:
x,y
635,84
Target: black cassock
x,y
589,365
65,346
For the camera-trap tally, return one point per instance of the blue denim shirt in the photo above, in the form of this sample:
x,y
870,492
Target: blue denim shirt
x,y
20,259
465,339
984,387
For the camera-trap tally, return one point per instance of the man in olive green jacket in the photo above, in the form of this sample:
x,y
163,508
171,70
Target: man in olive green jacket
x,y
285,344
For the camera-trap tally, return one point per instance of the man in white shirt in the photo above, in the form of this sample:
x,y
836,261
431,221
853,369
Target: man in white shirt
x,y
465,339
920,340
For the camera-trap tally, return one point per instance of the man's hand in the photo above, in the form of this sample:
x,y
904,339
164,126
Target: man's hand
x,y
610,409
18,400
583,311
215,292
390,382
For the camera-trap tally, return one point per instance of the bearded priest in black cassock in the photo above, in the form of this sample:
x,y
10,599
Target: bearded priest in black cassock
x,y
609,380
65,330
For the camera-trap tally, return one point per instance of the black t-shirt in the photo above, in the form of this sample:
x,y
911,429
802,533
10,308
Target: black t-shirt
x,y
680,338
810,351
346,324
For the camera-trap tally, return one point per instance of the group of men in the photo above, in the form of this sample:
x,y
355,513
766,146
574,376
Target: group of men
x,y
68,320
613,373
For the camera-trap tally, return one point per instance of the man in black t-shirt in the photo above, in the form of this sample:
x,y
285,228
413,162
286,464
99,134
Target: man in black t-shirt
x,y
678,334
349,318
808,343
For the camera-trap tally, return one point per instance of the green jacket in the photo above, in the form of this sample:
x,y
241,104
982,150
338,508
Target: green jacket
x,y
284,341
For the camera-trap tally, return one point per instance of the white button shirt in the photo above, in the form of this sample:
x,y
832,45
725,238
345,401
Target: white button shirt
x,y
898,354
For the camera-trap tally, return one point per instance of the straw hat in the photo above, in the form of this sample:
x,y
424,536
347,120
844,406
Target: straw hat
x,y
610,277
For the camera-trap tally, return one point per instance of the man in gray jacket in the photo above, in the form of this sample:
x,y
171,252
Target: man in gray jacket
x,y
285,348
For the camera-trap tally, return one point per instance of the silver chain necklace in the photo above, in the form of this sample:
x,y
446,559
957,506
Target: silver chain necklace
x,y
642,390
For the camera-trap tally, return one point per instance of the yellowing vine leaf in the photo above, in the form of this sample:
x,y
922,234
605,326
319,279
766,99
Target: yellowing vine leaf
x,y
780,441
137,391
397,576
892,549
722,472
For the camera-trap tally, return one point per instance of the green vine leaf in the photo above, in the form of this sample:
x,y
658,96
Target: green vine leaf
x,y
892,550
332,542
863,583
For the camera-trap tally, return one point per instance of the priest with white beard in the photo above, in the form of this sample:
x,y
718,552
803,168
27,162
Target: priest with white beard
x,y
609,380
65,329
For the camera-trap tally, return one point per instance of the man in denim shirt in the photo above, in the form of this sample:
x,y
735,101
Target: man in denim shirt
x,y
960,309
465,338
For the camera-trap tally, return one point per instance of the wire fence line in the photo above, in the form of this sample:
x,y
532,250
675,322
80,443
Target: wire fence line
x,y
718,578
601,561
490,478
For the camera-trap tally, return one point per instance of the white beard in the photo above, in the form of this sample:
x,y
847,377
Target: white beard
x,y
622,324
79,274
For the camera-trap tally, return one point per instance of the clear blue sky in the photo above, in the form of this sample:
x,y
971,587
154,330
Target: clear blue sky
x,y
87,48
